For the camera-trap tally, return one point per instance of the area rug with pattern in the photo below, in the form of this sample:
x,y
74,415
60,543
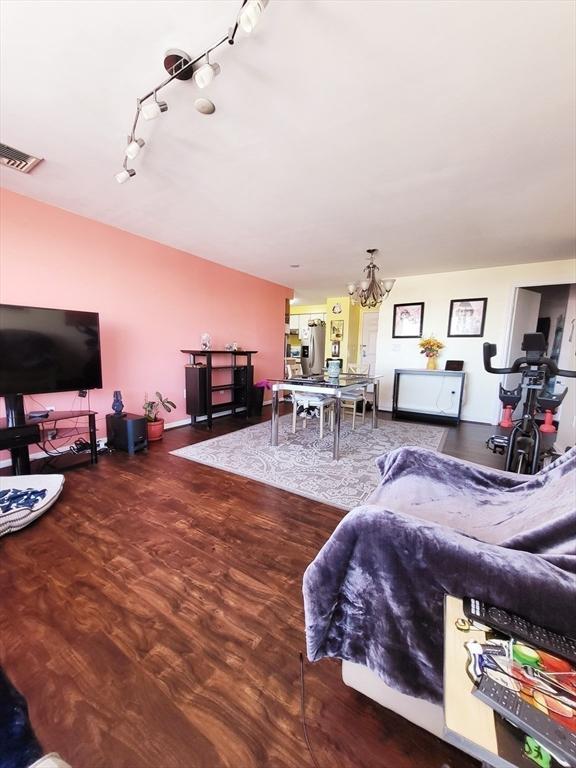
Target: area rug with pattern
x,y
302,463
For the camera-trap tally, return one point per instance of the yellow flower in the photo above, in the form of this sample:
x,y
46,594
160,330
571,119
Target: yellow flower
x,y
430,346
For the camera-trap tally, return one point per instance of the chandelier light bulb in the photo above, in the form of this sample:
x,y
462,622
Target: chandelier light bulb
x,y
351,288
250,14
153,109
388,285
134,148
125,175
207,72
364,284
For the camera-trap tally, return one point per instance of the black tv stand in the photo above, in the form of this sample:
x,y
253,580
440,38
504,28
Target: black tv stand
x,y
17,431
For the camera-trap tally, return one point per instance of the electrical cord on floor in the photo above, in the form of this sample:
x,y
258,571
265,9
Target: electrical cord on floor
x,y
303,712
55,451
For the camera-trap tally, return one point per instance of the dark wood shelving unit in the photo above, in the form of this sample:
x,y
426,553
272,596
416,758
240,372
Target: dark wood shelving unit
x,y
200,385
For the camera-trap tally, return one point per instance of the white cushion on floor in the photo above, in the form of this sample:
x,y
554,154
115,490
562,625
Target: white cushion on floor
x,y
20,517
53,760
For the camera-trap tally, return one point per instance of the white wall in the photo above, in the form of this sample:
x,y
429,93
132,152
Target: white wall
x,y
498,285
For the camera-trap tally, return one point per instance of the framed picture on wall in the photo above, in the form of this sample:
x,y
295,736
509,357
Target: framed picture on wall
x,y
408,321
336,330
467,317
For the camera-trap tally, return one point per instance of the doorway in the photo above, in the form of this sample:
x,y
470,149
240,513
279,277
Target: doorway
x,y
539,308
369,340
551,310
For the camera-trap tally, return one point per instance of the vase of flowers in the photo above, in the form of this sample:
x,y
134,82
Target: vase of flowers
x,y
431,348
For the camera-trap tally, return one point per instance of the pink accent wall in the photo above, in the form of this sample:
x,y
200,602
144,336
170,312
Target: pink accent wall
x,y
153,301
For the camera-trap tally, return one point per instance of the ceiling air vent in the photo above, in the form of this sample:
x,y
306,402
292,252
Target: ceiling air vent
x,y
20,161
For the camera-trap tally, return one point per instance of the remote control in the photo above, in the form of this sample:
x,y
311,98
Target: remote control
x,y
521,629
551,735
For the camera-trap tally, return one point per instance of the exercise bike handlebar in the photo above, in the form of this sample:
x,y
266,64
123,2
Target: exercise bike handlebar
x,y
521,363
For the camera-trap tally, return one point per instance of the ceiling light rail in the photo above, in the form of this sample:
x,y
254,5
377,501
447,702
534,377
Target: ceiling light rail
x,y
180,66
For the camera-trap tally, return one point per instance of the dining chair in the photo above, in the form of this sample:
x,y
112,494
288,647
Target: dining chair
x,y
303,402
351,398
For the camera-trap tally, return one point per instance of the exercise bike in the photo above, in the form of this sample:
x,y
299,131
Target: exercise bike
x,y
523,446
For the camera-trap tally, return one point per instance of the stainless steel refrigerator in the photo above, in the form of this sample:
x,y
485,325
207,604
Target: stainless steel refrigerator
x,y
312,353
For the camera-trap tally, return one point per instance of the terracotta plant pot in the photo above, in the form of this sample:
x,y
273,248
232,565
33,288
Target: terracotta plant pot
x,y
155,429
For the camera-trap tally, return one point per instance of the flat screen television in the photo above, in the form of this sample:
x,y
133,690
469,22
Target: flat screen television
x,y
48,350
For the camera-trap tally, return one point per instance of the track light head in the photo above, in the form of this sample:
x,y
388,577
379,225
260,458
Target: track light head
x,y
134,147
125,175
153,109
250,14
206,73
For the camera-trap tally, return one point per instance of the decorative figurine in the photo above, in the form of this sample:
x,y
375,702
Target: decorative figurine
x,y
205,342
117,404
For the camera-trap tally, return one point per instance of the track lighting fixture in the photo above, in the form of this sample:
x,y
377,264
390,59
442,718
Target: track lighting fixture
x,y
250,14
154,109
134,147
206,73
180,66
124,175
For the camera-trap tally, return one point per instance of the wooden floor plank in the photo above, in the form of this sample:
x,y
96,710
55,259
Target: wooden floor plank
x,y
153,619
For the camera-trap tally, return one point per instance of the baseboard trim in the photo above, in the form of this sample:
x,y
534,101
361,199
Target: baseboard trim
x,y
33,456
102,441
179,423
188,422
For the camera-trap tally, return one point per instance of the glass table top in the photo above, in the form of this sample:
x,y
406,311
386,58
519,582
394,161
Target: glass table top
x,y
323,380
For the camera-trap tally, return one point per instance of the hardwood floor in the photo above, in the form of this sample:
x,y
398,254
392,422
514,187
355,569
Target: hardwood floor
x,y
153,619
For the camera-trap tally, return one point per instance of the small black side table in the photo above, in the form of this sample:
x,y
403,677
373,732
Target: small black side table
x,y
126,432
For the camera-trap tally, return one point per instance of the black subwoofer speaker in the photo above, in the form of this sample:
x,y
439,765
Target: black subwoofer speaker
x,y
126,432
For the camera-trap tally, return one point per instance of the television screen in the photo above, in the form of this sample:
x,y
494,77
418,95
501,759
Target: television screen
x,y
48,350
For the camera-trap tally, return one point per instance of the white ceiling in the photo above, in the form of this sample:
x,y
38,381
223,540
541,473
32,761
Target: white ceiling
x,y
440,132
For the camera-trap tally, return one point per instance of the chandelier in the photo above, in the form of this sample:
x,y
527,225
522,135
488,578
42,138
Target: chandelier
x,y
369,292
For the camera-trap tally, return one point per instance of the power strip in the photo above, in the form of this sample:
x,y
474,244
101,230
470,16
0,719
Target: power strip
x,y
80,446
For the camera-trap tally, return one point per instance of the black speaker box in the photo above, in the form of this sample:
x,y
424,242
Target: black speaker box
x,y
126,432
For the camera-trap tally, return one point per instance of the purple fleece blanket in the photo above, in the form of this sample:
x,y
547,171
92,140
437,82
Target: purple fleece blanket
x,y
436,526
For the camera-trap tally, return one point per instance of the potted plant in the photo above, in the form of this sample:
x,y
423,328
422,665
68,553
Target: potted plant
x,y
154,424
431,348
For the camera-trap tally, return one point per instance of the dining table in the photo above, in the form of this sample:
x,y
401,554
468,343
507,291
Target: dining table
x,y
322,384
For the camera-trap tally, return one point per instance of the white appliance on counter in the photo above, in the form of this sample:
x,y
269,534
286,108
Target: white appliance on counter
x,y
312,351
